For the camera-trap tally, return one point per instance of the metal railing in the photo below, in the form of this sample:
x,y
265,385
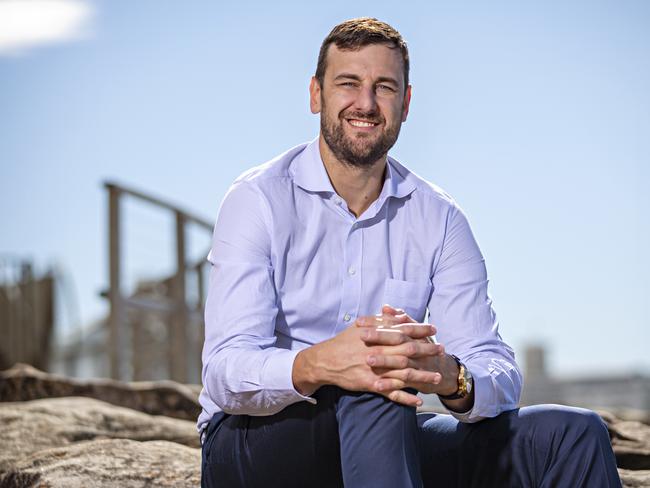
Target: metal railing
x,y
174,308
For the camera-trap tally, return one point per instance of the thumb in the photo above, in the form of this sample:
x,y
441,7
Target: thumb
x,y
390,310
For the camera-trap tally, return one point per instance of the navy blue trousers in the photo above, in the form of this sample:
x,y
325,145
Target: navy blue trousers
x,y
362,440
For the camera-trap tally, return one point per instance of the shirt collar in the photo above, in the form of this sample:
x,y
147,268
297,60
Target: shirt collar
x,y
398,182
310,174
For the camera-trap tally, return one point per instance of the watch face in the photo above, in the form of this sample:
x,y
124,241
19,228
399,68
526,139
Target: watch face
x,y
469,381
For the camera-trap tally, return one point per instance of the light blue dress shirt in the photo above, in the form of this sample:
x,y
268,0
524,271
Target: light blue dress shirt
x,y
292,266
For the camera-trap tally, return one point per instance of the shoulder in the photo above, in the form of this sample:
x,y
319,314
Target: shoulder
x,y
257,189
425,192
272,172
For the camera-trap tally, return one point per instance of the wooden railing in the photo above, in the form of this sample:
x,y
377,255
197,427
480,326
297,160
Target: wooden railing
x,y
26,314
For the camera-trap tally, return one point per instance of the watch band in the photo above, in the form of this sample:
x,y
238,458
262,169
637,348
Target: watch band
x,y
464,382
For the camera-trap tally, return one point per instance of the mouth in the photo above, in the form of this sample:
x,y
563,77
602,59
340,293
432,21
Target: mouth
x,y
362,124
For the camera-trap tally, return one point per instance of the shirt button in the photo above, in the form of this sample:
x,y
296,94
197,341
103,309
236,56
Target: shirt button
x,y
351,271
347,317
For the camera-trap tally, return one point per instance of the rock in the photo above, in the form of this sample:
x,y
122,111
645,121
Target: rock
x,y
110,463
29,427
103,433
23,382
630,441
635,479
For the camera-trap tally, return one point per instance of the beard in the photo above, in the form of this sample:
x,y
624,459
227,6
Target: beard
x,y
363,150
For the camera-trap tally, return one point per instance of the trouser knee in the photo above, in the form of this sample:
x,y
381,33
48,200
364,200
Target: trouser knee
x,y
574,419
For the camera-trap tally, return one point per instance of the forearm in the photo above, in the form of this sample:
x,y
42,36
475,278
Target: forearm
x,y
331,362
251,381
303,374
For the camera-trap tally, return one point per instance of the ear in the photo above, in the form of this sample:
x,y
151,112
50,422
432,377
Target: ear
x,y
314,95
407,102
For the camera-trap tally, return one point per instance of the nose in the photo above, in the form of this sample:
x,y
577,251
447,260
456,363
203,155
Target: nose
x,y
366,100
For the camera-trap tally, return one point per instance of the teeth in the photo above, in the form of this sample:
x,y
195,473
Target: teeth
x,y
360,123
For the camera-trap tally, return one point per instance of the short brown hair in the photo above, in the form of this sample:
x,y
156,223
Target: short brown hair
x,y
354,34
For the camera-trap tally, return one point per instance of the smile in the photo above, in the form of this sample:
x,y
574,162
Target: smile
x,y
361,123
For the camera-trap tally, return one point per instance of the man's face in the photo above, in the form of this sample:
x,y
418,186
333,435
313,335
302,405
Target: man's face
x,y
363,102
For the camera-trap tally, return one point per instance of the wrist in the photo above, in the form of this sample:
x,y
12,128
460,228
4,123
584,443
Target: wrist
x,y
464,383
303,373
449,385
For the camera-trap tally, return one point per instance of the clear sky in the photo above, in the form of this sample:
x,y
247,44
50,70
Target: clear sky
x,y
535,116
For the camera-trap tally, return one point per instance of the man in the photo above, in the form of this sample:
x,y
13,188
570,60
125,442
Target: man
x,y
303,385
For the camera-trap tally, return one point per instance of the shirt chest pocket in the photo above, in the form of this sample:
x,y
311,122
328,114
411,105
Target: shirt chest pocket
x,y
411,296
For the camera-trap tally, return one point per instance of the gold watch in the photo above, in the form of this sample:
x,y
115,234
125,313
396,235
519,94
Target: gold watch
x,y
465,382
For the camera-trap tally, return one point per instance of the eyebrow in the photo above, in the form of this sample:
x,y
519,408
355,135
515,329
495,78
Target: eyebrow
x,y
381,79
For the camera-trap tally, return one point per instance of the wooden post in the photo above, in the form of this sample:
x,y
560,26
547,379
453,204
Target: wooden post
x,y
138,345
28,335
178,346
200,307
114,296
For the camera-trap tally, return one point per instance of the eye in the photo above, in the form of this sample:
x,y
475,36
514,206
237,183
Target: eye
x,y
386,88
349,84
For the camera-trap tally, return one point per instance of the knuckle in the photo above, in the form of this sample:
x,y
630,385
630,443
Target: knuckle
x,y
411,349
409,374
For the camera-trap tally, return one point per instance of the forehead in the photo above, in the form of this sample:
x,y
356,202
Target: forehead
x,y
372,61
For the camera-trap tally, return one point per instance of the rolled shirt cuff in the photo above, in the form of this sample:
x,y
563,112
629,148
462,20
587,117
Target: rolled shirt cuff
x,y
277,375
483,398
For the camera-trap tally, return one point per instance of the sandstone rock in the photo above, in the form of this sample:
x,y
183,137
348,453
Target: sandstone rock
x,y
79,440
23,382
110,463
29,427
635,479
630,441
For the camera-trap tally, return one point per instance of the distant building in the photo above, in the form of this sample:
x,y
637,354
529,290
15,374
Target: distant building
x,y
616,393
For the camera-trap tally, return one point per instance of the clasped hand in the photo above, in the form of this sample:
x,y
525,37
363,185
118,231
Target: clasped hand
x,y
402,357
384,354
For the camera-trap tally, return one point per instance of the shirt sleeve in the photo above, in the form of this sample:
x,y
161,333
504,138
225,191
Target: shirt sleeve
x,y
466,323
243,373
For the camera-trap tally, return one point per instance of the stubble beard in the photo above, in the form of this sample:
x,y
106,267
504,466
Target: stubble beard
x,y
361,151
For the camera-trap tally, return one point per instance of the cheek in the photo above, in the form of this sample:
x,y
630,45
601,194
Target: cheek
x,y
392,113
340,102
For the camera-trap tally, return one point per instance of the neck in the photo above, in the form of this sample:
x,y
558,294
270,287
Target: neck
x,y
359,187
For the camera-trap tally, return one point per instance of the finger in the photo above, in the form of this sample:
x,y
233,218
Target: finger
x,y
387,309
411,376
403,397
390,320
411,349
392,336
414,330
390,362
395,315
387,337
372,321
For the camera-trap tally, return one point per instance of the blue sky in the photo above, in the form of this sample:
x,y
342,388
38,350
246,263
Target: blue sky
x,y
535,116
